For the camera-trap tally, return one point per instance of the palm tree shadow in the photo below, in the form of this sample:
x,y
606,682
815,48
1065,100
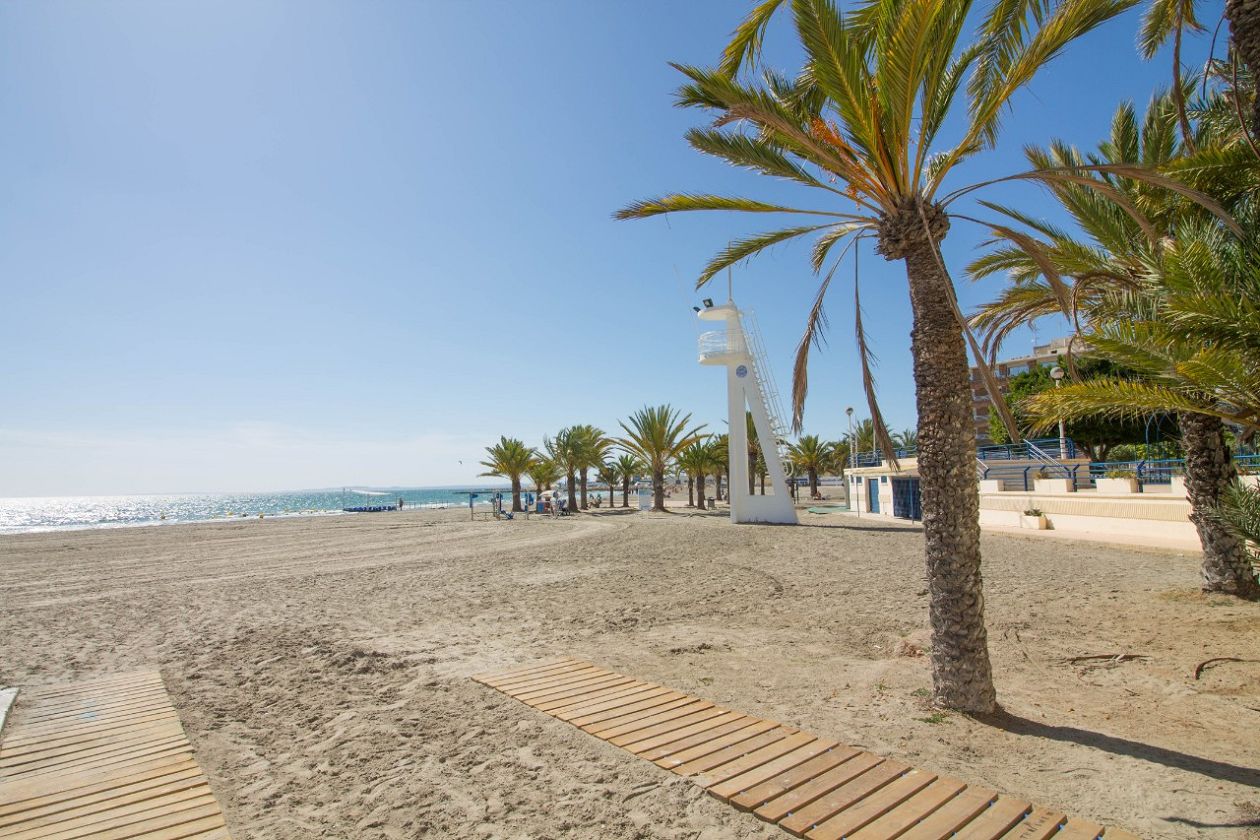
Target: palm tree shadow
x,y
1212,768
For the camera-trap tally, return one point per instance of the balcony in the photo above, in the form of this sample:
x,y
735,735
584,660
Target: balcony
x,y
719,347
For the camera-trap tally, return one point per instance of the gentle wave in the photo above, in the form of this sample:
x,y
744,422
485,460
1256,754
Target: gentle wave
x,y
65,513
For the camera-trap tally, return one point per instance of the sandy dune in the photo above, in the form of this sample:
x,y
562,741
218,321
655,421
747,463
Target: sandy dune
x,y
321,666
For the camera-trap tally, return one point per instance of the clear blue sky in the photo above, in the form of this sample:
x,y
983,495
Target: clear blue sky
x,y
265,245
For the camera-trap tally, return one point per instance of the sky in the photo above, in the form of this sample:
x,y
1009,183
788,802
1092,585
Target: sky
x,y
266,245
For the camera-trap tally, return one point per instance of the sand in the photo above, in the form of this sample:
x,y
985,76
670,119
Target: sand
x,y
321,666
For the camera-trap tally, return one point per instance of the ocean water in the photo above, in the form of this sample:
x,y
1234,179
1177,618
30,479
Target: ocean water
x,y
60,513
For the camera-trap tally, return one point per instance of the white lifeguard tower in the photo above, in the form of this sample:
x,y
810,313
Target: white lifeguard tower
x,y
748,384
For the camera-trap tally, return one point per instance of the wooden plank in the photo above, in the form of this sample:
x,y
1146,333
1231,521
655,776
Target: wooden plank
x,y
759,795
700,733
734,751
96,758
554,704
81,740
24,737
996,821
613,714
872,807
517,689
688,754
113,814
494,677
953,815
523,692
15,796
46,693
170,823
618,701
736,785
95,705
912,811
667,727
554,678
845,796
602,685
702,727
754,759
1078,829
109,792
30,757
1040,824
803,795
606,731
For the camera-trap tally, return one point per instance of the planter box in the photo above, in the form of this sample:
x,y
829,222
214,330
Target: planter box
x,y
1054,485
1117,486
1035,523
992,485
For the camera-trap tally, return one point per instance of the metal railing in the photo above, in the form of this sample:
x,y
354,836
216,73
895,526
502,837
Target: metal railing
x,y
1147,472
719,343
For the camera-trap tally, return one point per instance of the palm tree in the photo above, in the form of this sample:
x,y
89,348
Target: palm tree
x,y
812,455
754,451
592,449
628,466
719,461
607,472
1195,350
906,439
878,84
840,451
509,458
656,434
1120,275
864,436
565,450
694,460
543,472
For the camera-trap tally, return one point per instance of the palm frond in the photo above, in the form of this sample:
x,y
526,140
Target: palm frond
x,y
741,249
744,48
688,202
882,438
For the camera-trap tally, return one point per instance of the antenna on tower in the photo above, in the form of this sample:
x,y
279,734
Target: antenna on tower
x,y
729,284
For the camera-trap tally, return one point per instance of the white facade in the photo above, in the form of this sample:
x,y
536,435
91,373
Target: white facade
x,y
745,391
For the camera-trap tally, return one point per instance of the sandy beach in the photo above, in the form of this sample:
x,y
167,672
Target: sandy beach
x,y
322,666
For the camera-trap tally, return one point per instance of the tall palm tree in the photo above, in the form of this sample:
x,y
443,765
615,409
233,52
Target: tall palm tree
x,y
509,458
694,460
813,456
719,461
860,127
593,447
864,436
1120,272
543,473
1195,349
565,449
628,466
656,434
754,451
607,472
840,451
906,439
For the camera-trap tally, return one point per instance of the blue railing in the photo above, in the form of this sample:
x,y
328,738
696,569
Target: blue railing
x,y
994,452
1152,471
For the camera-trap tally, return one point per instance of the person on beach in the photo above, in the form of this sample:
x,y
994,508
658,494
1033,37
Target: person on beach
x,y
400,502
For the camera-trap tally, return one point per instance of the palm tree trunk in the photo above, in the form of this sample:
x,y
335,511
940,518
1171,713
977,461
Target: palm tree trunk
x,y
691,491
625,492
813,483
572,491
582,486
717,485
1244,29
962,675
763,484
1209,470
516,494
658,490
752,473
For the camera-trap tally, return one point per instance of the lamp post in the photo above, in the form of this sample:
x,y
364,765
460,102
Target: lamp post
x,y
1057,375
848,479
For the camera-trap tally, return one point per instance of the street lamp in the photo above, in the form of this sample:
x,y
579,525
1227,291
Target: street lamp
x,y
848,479
1057,375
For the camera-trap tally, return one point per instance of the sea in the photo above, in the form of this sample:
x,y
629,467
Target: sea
x,y
64,513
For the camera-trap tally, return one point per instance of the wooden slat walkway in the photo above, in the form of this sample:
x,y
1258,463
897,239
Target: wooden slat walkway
x,y
104,758
812,787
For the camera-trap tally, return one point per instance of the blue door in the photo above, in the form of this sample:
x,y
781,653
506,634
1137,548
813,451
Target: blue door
x,y
906,498
872,495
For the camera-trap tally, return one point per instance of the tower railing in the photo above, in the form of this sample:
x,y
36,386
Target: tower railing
x,y
769,389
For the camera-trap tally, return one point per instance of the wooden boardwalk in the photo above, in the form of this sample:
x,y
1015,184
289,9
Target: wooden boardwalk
x,y
812,787
105,759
